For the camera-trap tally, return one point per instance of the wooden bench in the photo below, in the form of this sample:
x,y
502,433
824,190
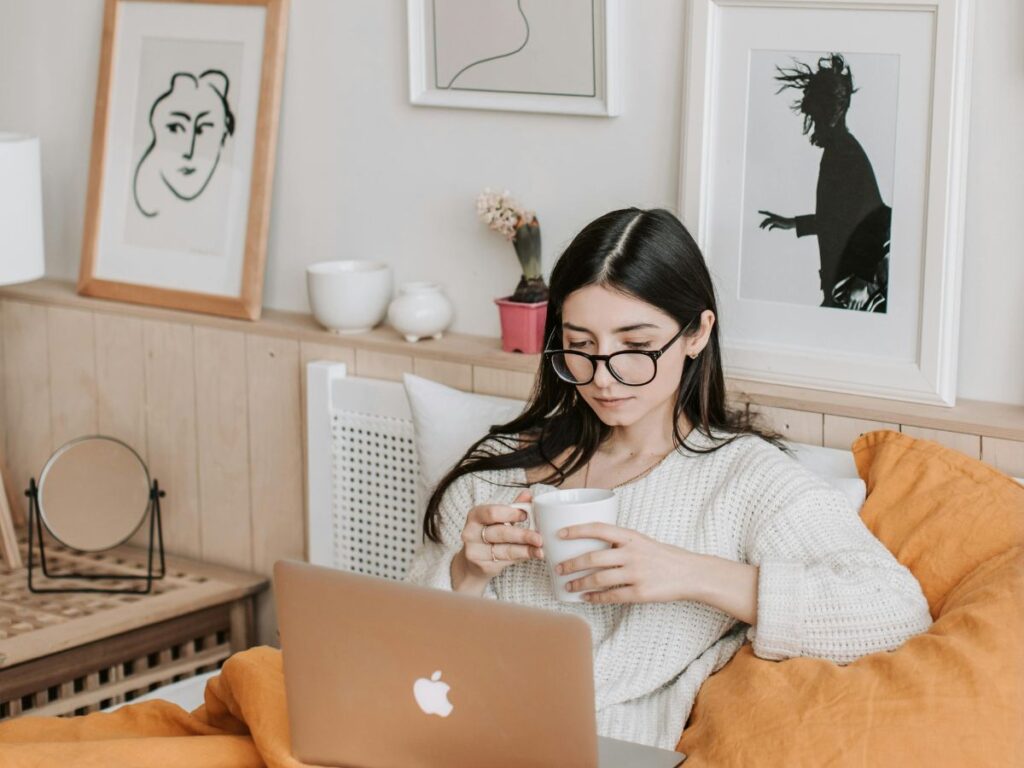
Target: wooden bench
x,y
74,653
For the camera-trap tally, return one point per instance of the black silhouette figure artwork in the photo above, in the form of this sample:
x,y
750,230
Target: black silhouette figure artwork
x,y
850,220
189,124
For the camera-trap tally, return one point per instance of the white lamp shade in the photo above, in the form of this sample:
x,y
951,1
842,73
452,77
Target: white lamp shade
x,y
21,209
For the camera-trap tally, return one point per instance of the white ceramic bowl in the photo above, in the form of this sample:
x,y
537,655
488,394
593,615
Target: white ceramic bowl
x,y
349,296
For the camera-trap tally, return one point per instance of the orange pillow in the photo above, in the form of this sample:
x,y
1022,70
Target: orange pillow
x,y
951,696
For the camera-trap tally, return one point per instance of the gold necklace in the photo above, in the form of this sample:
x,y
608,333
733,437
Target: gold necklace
x,y
586,472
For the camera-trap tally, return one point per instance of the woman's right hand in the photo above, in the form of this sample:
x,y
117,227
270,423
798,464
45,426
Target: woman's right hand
x,y
511,543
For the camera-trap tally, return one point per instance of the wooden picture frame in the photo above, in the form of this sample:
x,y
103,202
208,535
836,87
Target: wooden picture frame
x,y
161,226
9,551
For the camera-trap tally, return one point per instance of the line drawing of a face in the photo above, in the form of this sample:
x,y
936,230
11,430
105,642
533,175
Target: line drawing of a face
x,y
189,124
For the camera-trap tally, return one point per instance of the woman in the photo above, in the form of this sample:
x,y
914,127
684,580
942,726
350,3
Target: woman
x,y
721,535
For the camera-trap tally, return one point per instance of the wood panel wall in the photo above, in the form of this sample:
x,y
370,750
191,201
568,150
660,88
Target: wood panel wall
x,y
215,408
217,415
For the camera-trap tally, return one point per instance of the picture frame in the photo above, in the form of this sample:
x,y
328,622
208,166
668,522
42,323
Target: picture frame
x,y
834,235
183,150
560,57
10,552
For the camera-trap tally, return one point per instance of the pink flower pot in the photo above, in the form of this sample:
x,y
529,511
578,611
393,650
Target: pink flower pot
x,y
522,325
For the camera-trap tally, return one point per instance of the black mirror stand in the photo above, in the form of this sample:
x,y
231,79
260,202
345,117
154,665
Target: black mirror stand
x,y
35,528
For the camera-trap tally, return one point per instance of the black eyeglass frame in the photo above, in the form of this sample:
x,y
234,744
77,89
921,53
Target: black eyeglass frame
x,y
654,354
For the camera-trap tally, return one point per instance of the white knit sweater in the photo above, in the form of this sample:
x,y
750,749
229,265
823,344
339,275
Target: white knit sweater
x,y
827,587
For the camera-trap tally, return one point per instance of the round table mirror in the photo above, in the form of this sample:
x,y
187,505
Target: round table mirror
x,y
93,493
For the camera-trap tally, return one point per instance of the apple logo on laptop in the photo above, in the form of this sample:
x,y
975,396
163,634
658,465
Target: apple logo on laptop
x,y
432,695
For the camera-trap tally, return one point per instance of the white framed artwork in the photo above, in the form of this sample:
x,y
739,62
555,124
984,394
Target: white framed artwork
x,y
184,136
522,55
823,170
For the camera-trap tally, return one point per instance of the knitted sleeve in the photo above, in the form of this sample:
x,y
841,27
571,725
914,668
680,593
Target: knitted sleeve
x,y
431,564
827,587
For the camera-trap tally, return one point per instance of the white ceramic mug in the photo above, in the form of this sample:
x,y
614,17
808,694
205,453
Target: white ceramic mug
x,y
551,511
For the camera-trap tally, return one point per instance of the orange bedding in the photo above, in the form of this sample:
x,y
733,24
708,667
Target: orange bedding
x,y
243,723
951,696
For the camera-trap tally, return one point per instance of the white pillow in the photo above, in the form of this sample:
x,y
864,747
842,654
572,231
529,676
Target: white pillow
x,y
836,466
447,421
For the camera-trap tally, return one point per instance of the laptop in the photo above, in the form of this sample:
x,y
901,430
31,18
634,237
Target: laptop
x,y
383,673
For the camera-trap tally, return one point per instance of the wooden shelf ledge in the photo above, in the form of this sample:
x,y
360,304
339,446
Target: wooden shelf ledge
x,y
987,419
453,347
975,417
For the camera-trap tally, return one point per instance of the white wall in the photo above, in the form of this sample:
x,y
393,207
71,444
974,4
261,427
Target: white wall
x,y
362,174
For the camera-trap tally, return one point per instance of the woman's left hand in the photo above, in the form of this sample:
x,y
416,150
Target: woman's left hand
x,y
636,569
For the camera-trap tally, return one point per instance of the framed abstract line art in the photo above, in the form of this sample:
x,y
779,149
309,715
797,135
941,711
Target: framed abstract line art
x,y
522,55
184,134
823,175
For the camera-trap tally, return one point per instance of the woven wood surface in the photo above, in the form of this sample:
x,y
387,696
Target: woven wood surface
x,y
35,625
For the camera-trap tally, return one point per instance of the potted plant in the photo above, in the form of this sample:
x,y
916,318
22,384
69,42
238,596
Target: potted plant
x,y
524,312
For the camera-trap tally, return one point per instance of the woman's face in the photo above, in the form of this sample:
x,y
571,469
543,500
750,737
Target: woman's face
x,y
189,125
600,321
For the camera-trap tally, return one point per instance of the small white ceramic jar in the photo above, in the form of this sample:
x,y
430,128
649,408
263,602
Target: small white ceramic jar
x,y
349,296
420,311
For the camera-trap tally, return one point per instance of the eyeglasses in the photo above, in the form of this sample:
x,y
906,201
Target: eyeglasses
x,y
632,367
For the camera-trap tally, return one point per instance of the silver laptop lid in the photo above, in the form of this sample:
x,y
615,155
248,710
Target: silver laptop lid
x,y
383,673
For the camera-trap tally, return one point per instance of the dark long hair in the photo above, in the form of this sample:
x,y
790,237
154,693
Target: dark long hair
x,y
648,255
